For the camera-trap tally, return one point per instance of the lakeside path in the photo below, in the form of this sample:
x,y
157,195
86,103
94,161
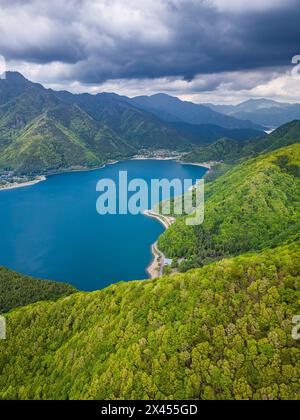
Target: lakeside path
x,y
207,165
155,269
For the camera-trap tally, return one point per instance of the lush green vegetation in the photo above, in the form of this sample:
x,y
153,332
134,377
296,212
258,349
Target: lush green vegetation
x,y
17,290
255,205
42,130
220,332
40,133
224,149
231,151
141,129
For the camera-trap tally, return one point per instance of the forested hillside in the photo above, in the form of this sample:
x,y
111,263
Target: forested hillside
x,y
141,129
255,205
220,332
231,151
18,290
40,133
42,130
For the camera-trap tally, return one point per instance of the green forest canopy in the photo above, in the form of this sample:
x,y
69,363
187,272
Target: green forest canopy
x,y
253,206
17,290
220,332
223,331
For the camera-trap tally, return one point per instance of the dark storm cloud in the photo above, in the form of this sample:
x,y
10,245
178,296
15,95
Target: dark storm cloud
x,y
159,38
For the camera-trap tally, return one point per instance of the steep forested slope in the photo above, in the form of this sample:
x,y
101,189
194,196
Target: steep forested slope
x,y
18,290
232,151
255,205
141,129
284,136
39,132
220,332
225,149
43,130
46,145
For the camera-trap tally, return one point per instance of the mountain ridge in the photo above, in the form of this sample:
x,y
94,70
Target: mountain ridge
x,y
172,109
268,113
69,129
231,151
103,126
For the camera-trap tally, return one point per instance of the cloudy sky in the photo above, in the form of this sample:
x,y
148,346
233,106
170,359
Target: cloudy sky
x,y
223,51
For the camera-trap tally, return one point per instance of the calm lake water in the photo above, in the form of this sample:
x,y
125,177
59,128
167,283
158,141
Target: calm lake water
x,y
52,230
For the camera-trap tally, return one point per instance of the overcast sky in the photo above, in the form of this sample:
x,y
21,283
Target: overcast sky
x,y
223,51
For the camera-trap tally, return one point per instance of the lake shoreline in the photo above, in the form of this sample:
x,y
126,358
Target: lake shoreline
x,y
42,178
23,184
155,269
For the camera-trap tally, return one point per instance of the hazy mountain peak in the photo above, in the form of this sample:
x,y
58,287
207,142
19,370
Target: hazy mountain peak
x,y
15,75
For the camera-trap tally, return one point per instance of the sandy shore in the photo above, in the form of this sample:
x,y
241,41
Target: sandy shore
x,y
155,269
23,184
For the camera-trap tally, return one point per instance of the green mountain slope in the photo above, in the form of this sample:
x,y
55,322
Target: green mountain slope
x,y
15,85
46,145
224,149
255,205
17,113
42,130
40,133
220,332
17,290
141,129
231,151
284,136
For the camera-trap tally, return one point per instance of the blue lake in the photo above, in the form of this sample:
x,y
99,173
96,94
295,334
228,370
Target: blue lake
x,y
52,230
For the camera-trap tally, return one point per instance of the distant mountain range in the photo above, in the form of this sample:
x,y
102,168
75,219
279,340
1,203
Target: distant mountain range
x,y
172,109
208,133
42,130
232,151
264,112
